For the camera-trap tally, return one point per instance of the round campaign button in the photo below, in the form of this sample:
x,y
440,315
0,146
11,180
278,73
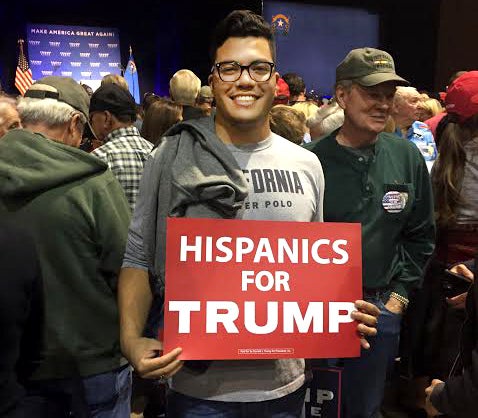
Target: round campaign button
x,y
394,202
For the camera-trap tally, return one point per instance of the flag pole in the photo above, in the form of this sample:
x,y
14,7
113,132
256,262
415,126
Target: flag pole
x,y
132,78
131,75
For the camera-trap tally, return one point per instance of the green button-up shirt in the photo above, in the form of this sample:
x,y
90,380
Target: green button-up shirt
x,y
390,194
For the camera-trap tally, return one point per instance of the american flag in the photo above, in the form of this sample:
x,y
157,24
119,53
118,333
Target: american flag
x,y
23,76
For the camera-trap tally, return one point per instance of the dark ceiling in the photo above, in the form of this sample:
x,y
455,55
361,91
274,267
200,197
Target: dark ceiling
x,y
173,34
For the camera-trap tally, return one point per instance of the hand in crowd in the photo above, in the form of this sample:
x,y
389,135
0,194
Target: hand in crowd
x,y
430,409
458,302
366,315
143,355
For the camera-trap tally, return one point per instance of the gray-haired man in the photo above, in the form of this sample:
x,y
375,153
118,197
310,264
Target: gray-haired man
x,y
78,216
382,182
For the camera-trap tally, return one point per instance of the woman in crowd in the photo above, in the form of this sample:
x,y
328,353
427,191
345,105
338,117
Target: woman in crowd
x,y
160,116
429,108
455,176
455,186
288,123
430,335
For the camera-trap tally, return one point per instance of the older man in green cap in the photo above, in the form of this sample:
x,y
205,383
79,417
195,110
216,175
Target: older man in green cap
x,y
78,215
382,182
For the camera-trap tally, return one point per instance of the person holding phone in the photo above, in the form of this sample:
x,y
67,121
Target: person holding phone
x,y
458,396
457,282
431,338
439,308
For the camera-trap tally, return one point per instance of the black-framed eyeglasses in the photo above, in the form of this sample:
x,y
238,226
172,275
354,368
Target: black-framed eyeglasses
x,y
231,71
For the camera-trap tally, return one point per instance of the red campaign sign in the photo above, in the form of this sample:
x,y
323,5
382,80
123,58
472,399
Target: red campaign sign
x,y
240,289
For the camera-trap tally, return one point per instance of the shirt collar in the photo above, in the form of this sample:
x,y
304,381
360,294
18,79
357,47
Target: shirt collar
x,y
122,132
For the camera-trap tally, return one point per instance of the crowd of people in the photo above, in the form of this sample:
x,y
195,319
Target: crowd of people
x,y
88,179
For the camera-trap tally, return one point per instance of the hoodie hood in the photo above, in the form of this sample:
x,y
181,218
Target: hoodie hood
x,y
31,163
204,126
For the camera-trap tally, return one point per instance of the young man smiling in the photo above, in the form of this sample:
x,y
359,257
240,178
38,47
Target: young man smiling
x,y
207,168
382,182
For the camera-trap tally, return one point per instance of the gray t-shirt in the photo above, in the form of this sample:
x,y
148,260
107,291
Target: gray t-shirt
x,y
286,183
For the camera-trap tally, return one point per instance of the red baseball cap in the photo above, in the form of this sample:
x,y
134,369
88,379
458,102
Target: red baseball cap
x,y
282,93
462,96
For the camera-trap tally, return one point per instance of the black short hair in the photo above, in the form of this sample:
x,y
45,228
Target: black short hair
x,y
241,24
295,82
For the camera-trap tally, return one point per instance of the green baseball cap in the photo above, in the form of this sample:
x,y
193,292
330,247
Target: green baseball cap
x,y
368,67
63,89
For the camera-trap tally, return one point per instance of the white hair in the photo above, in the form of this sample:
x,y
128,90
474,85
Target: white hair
x,y
403,91
184,87
50,112
327,119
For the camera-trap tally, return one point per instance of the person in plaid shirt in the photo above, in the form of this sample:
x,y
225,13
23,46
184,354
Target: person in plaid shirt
x,y
112,114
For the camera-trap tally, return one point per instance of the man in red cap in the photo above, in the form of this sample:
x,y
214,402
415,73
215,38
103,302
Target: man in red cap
x,y
282,94
462,96
435,120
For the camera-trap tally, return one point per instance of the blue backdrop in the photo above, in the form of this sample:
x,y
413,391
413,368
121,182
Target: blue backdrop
x,y
312,40
83,53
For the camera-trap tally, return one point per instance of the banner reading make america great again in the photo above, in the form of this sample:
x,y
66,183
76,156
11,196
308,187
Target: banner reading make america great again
x,y
84,53
261,289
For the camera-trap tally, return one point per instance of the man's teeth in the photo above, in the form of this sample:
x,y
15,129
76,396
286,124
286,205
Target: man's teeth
x,y
244,99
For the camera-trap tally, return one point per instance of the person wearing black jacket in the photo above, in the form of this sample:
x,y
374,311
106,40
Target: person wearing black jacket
x,y
458,396
20,317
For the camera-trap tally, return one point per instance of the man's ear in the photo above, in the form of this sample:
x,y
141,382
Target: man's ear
x,y
210,82
74,133
340,94
108,118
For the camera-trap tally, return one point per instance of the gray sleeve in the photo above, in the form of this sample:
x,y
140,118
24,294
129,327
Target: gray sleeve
x,y
319,214
135,256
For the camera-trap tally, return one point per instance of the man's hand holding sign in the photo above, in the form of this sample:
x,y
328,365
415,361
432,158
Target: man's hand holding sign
x,y
366,315
264,290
